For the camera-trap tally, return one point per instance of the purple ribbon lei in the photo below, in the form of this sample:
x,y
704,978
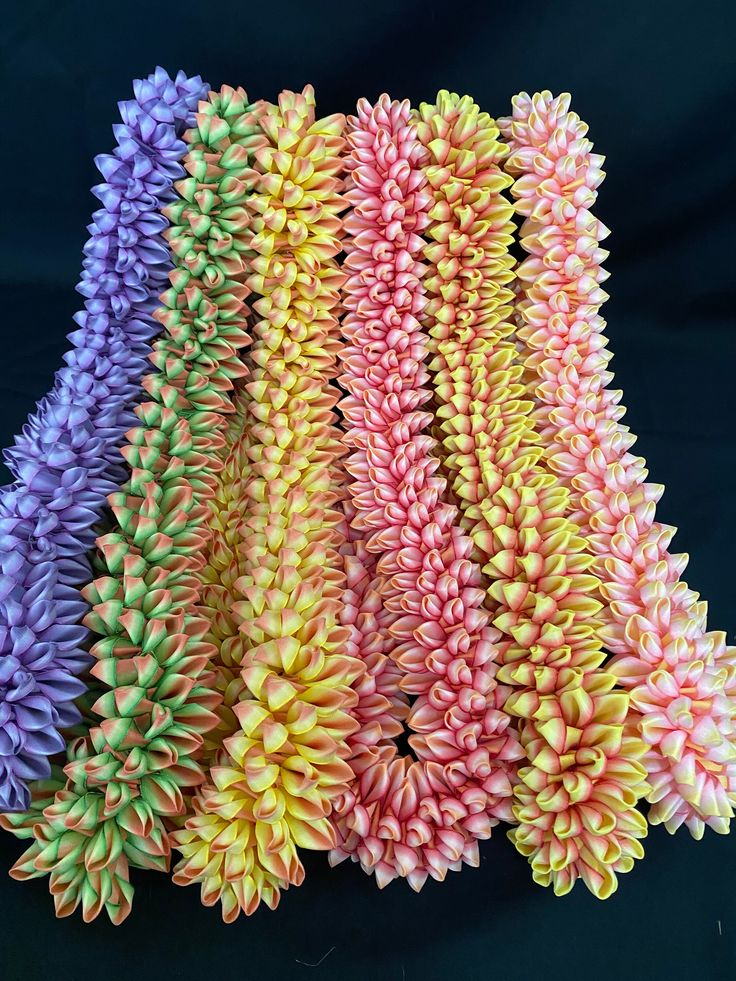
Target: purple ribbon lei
x,y
67,459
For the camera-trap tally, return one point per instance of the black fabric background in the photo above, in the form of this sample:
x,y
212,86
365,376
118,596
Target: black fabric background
x,y
656,82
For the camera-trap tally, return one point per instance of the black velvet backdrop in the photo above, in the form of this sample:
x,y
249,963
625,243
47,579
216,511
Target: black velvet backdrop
x,y
657,84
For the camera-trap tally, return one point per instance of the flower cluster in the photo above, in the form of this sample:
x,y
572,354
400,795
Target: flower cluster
x,y
131,772
66,460
272,788
404,817
576,799
681,678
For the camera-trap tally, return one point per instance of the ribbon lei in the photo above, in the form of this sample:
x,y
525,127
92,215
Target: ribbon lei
x,y
67,458
319,534
680,676
133,772
575,800
272,788
404,817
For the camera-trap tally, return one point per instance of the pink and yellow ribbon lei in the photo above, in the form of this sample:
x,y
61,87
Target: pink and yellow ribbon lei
x,y
404,817
681,677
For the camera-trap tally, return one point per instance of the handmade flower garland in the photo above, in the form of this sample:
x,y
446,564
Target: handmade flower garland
x,y
66,461
402,817
681,678
129,775
271,790
271,618
576,800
